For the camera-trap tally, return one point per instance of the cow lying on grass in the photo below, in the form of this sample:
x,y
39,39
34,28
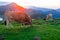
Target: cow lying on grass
x,y
21,17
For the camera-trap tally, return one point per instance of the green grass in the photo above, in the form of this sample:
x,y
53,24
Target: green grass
x,y
45,30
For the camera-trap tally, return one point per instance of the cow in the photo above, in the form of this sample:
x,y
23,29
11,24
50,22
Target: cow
x,y
21,17
49,17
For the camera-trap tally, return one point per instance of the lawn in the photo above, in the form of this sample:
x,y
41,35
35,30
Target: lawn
x,y
45,30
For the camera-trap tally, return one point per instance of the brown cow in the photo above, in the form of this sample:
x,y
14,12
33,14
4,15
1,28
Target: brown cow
x,y
21,17
49,17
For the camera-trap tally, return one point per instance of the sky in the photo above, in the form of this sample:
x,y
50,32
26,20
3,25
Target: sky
x,y
39,3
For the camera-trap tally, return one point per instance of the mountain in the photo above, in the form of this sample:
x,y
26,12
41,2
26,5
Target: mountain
x,y
2,10
37,12
58,12
42,12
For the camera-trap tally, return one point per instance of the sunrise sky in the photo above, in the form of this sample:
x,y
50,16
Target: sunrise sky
x,y
39,3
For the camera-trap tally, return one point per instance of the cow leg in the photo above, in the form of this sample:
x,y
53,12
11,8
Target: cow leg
x,y
10,22
11,25
7,23
30,23
22,24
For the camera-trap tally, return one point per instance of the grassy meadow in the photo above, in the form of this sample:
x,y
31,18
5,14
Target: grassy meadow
x,y
45,30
